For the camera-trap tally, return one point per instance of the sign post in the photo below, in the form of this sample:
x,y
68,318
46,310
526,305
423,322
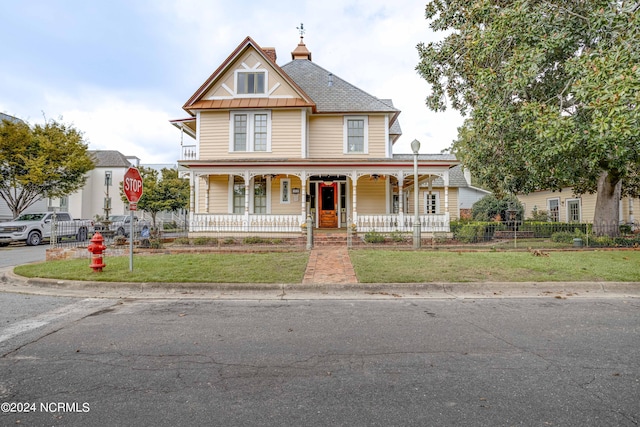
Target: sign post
x,y
132,187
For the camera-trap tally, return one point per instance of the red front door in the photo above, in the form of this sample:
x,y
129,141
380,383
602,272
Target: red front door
x,y
328,199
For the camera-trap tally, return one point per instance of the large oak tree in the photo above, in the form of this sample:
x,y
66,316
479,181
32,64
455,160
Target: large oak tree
x,y
551,91
48,160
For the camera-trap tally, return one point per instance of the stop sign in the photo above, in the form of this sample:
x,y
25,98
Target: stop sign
x,y
132,185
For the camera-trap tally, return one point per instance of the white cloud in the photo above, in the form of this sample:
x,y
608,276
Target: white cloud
x,y
174,45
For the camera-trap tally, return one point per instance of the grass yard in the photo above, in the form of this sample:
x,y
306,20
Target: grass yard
x,y
371,266
268,267
423,267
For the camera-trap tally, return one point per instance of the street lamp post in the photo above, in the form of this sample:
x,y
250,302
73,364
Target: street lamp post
x,y
417,232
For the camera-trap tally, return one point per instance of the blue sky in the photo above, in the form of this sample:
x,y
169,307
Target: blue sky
x,y
119,70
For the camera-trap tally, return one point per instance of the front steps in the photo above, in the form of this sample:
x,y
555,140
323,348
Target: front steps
x,y
334,238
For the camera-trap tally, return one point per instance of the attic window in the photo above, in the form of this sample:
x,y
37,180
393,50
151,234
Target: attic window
x,y
250,82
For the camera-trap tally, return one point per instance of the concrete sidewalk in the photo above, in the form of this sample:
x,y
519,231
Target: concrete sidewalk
x,y
9,282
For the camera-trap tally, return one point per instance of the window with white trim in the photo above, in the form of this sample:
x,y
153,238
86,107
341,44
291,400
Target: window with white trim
x,y
260,195
356,134
250,131
238,195
250,82
431,203
573,210
285,191
553,206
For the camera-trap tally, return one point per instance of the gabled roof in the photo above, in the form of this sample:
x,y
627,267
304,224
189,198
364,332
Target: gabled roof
x,y
109,158
196,102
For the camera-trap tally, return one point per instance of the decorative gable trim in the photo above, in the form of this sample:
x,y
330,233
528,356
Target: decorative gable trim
x,y
195,102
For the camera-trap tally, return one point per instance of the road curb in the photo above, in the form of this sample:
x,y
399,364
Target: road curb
x,y
11,282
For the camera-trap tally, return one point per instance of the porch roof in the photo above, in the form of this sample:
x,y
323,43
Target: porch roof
x,y
402,161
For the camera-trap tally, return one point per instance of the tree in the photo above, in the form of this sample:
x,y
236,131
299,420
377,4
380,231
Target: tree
x,y
49,160
552,93
163,191
490,207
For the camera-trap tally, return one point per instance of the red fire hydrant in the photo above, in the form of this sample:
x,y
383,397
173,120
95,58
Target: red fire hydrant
x,y
96,247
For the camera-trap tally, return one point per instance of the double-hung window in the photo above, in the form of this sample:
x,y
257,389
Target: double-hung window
x,y
250,131
238,195
260,195
356,134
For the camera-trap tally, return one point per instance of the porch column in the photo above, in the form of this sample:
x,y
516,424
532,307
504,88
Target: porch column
x,y
246,198
206,195
401,197
303,196
445,178
354,193
192,199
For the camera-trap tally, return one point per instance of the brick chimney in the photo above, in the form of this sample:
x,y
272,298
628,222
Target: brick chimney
x,y
270,52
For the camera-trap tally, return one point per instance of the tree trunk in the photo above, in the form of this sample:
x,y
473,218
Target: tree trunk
x,y
607,214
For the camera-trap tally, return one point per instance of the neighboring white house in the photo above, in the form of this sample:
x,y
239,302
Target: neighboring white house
x,y
101,190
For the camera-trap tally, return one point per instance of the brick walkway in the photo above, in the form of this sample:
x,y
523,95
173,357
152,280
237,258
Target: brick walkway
x,y
329,265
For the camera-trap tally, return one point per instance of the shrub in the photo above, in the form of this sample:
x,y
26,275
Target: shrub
x,y
205,241
182,241
472,232
469,233
374,237
625,229
539,215
229,241
254,240
562,237
397,236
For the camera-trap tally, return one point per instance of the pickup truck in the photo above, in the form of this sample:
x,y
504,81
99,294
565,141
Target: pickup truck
x,y
120,225
33,228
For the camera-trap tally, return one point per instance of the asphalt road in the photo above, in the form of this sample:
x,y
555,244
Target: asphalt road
x,y
461,362
13,255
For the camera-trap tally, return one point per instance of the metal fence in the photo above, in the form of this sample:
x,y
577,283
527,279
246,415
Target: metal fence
x,y
506,235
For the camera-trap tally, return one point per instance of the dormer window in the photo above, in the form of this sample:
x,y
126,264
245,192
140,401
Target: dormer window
x,y
249,83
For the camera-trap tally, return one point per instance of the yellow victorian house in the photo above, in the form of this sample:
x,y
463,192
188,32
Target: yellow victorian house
x,y
273,145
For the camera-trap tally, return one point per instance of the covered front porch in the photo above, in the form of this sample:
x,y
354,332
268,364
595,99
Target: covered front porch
x,y
285,199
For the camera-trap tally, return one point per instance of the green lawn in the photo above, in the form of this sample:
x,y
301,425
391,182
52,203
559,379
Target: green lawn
x,y
422,266
271,267
371,266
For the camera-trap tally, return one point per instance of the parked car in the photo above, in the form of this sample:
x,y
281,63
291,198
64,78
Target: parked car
x,y
33,228
120,225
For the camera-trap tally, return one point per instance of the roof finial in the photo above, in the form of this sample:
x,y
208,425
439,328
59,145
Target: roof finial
x,y
301,30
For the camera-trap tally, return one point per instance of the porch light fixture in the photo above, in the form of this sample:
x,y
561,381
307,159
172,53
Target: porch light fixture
x,y
417,232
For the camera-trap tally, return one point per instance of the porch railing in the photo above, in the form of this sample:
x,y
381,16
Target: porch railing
x,y
242,223
431,223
